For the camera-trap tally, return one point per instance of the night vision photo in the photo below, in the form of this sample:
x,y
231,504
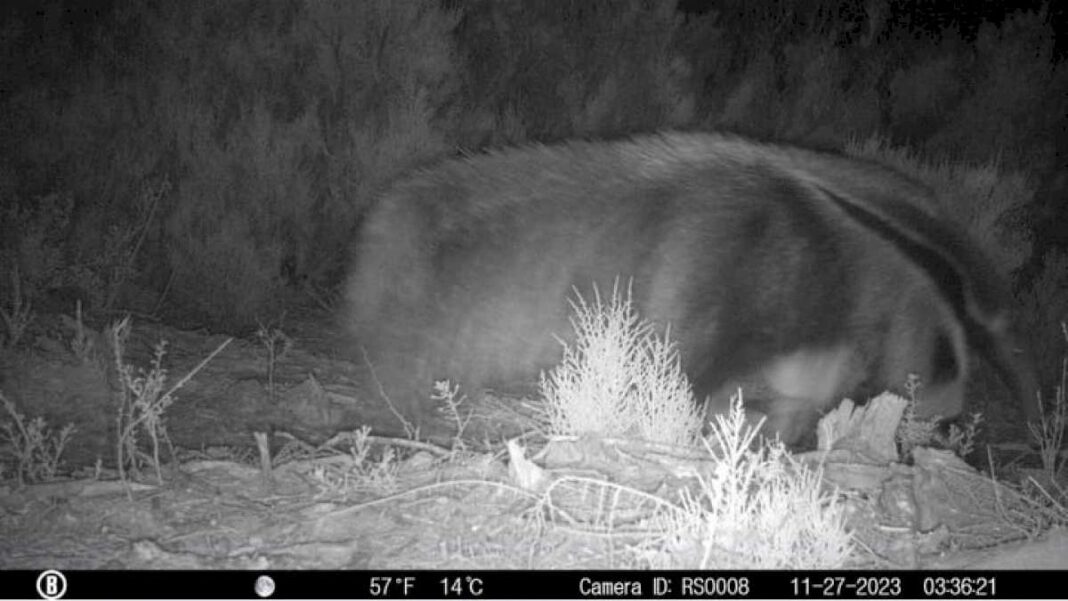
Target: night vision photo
x,y
377,287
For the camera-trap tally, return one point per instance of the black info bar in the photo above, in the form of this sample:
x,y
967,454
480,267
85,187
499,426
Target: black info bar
x,y
564,584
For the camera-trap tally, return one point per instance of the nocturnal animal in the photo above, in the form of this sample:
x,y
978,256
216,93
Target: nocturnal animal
x,y
807,276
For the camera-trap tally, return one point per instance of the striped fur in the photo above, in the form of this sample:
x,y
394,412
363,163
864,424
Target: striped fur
x,y
803,276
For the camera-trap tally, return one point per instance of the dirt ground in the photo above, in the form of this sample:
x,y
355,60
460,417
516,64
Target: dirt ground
x,y
334,498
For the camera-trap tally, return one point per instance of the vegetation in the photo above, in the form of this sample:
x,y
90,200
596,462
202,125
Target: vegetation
x,y
227,150
619,378
209,162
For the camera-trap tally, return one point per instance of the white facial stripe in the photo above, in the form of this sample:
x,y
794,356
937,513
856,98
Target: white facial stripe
x,y
812,375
